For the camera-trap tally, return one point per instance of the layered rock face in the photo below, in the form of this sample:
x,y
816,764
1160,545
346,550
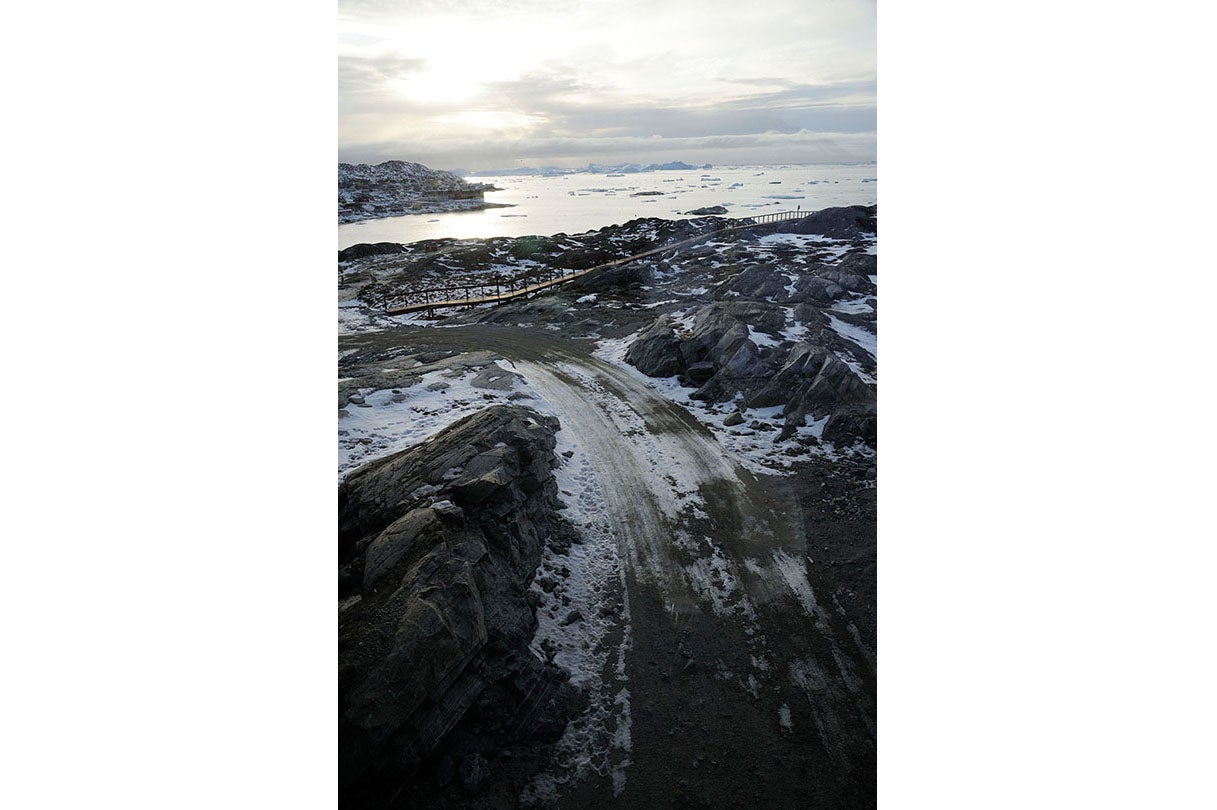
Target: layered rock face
x,y
740,348
438,545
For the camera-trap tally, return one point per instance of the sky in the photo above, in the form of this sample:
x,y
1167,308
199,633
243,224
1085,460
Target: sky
x,y
489,84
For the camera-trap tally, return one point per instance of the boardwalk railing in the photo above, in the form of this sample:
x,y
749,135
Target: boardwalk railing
x,y
529,283
776,217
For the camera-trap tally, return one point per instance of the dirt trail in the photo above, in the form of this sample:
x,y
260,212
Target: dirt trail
x,y
741,686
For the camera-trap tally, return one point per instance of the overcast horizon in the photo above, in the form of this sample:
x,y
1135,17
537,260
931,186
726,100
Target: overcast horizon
x,y
483,85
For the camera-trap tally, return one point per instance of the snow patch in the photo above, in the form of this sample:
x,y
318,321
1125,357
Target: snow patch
x,y
392,422
794,572
856,305
761,339
714,579
864,339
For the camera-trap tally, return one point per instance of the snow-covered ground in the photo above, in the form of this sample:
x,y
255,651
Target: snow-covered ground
x,y
632,478
776,243
389,421
656,485
856,334
855,305
757,451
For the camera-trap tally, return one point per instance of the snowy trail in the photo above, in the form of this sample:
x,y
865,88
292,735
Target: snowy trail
x,y
687,517
715,572
651,466
693,571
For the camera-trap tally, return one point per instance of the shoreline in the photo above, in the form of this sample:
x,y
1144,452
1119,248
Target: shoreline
x,y
445,207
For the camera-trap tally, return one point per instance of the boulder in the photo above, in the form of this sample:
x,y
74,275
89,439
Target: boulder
x,y
816,289
698,373
755,282
656,352
854,282
859,264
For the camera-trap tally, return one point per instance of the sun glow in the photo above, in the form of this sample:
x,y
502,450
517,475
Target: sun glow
x,y
441,84
460,60
489,120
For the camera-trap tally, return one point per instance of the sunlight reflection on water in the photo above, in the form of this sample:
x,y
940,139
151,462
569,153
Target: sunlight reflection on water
x,y
580,202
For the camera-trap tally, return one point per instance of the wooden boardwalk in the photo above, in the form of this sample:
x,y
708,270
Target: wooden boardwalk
x,y
469,295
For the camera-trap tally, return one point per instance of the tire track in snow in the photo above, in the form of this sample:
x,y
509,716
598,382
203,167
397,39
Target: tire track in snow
x,y
650,467
664,507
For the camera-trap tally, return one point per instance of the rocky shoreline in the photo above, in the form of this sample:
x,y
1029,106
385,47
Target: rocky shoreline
x,y
397,188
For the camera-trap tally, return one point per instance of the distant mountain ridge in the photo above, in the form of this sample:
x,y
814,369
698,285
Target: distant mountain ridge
x,y
398,187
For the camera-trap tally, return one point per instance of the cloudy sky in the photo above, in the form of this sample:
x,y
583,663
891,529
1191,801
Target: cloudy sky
x,y
482,84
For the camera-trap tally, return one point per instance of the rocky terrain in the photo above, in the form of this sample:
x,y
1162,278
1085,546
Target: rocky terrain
x,y
438,545
612,546
372,274
397,187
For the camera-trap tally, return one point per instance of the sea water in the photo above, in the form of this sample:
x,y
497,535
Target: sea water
x,y
575,203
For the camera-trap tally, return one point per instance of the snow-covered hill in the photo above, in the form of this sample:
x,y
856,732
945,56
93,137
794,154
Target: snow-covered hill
x,y
398,187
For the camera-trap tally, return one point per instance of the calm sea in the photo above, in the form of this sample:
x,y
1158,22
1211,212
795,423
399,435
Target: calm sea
x,y
575,203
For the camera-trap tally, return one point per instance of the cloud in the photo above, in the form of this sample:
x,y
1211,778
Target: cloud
x,y
569,105
805,96
358,74
483,84
466,8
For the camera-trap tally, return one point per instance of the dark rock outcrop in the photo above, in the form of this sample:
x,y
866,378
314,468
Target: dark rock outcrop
x,y
400,187
755,282
724,357
860,264
845,222
656,352
839,223
437,547
610,278
364,250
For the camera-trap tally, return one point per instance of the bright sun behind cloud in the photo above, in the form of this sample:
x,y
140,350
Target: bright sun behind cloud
x,y
489,120
442,84
469,82
460,57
